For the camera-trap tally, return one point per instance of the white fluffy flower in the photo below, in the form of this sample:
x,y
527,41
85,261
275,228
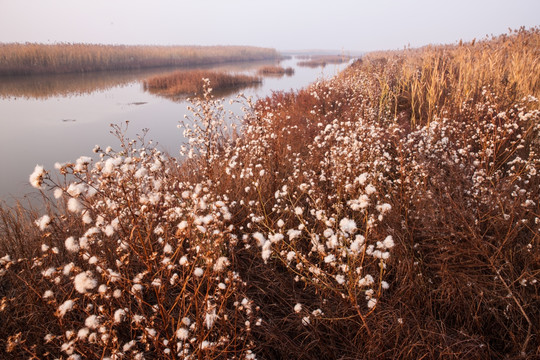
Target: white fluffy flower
x,y
72,245
183,260
198,272
182,334
347,225
109,230
58,193
65,307
74,205
329,258
362,178
291,255
388,242
260,238
84,282
221,263
36,178
92,322
370,189
293,234
119,315
83,333
183,224
366,280
43,222
167,249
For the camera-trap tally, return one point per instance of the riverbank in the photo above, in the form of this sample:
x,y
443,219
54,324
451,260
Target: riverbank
x,y
388,212
27,59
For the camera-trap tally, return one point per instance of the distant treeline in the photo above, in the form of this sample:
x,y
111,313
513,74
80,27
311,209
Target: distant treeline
x,y
27,59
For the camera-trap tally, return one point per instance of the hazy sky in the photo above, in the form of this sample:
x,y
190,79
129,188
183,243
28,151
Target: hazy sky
x,y
282,24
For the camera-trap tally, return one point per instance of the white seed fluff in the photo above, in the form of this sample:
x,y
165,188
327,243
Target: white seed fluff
x,y
84,282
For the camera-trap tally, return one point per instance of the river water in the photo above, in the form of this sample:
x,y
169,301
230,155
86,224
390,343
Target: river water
x,y
45,119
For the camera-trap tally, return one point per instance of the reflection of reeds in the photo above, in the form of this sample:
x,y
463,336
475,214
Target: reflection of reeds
x,y
191,82
50,85
46,86
276,70
322,60
20,59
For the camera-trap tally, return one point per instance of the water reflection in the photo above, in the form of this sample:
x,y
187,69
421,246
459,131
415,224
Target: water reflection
x,y
45,119
66,85
219,93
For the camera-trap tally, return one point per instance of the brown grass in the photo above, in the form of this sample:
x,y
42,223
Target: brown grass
x,y
424,81
19,59
191,82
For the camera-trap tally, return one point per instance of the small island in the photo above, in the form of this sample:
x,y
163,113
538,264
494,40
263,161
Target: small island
x,y
191,82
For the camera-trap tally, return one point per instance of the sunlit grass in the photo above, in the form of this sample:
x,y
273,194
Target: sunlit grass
x,y
427,81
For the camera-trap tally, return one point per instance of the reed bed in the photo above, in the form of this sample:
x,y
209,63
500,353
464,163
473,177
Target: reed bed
x,y
427,81
329,225
26,59
275,71
192,82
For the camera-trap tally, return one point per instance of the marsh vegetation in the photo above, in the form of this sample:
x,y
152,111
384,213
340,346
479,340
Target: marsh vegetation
x,y
389,212
26,59
191,82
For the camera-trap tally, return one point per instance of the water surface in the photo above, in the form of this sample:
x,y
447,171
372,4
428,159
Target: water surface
x,y
45,119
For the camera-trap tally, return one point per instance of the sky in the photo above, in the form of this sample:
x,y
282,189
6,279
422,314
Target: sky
x,y
282,24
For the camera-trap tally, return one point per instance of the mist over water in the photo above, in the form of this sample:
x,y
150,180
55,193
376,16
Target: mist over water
x,y
58,118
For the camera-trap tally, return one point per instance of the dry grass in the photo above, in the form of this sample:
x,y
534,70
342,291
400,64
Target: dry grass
x,y
350,228
191,82
425,81
19,59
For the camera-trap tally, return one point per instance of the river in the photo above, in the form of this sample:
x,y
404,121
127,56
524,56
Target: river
x,y
45,119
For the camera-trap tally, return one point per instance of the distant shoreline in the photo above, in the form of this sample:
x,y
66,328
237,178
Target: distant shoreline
x,y
34,59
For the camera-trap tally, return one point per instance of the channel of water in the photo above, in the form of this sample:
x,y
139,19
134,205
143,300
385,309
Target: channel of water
x,y
45,119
